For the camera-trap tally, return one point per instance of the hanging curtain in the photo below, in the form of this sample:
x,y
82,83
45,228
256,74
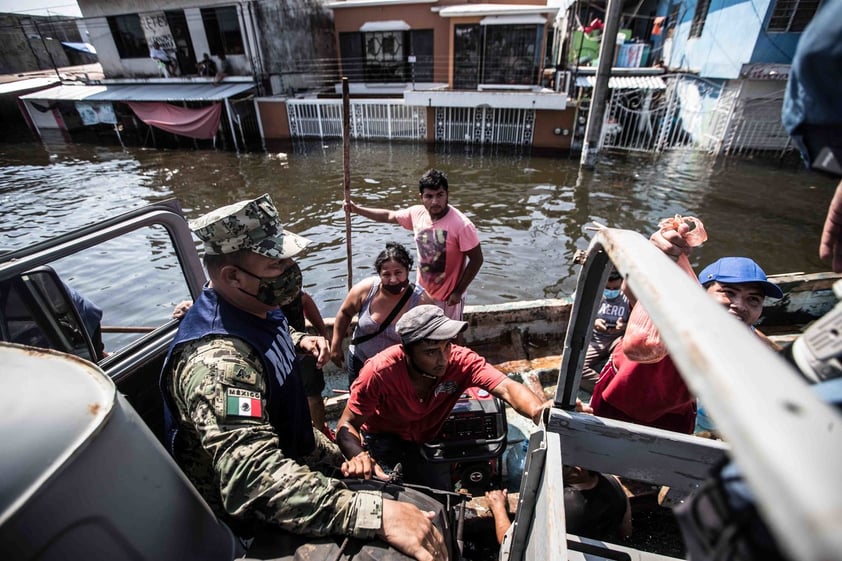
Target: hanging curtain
x,y
194,123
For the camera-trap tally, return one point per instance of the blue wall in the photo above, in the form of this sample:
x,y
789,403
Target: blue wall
x,y
734,34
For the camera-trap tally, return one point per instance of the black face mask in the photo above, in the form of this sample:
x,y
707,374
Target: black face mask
x,y
395,288
280,290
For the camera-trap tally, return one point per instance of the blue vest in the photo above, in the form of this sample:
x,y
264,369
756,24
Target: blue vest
x,y
286,403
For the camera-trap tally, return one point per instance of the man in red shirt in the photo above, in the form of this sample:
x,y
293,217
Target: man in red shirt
x,y
404,395
654,394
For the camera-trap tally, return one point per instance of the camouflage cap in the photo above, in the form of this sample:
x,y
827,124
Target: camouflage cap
x,y
252,225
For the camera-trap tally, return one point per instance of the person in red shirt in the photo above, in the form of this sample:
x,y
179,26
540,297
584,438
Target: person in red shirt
x,y
654,394
405,393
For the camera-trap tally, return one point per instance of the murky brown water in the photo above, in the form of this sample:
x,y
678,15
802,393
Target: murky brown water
x,y
531,211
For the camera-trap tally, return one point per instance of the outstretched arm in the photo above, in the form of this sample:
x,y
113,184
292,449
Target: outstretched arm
x,y
498,504
313,315
377,214
831,243
350,307
520,398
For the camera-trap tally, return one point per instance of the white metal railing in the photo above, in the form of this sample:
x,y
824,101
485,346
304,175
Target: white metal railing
x,y
755,126
392,119
485,125
370,119
693,114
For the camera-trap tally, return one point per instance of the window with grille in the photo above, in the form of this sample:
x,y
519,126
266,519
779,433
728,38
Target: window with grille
x,y
128,36
672,19
496,54
383,56
467,44
789,16
222,28
510,55
699,17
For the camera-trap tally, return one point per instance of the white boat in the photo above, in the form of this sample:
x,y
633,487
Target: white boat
x,y
787,442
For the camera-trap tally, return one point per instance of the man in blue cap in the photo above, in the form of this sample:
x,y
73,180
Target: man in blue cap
x,y
654,394
740,284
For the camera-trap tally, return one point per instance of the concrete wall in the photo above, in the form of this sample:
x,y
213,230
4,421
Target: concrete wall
x,y
546,123
273,118
34,43
297,45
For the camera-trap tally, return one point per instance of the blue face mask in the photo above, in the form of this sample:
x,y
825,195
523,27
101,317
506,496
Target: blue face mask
x,y
609,294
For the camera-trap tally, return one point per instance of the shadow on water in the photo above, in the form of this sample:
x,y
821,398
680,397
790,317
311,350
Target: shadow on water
x,y
531,211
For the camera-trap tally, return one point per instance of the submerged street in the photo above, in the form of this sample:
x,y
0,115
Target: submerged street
x,y
531,211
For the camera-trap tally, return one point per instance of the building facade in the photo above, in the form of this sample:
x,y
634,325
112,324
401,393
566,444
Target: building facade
x,y
438,71
740,51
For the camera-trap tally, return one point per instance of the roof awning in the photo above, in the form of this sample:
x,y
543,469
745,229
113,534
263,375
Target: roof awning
x,y
142,92
625,82
29,84
389,25
507,10
527,19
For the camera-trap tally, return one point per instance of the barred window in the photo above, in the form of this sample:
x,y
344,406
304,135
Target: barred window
x,y
698,25
496,54
789,16
383,56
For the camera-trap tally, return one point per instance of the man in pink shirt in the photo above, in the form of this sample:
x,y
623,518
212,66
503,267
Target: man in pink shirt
x,y
449,252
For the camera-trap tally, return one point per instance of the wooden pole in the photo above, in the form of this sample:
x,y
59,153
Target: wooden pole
x,y
346,164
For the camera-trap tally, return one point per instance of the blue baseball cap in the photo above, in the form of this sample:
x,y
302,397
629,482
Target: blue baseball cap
x,y
739,270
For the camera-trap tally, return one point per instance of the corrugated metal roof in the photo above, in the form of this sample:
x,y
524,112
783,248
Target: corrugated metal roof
x,y
142,92
625,82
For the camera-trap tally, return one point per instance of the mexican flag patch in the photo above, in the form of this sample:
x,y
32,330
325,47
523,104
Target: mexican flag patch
x,y
242,403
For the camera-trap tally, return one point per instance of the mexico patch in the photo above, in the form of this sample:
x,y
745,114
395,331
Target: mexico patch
x,y
242,403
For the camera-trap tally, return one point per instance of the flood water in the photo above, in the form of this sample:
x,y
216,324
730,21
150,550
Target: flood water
x,y
531,211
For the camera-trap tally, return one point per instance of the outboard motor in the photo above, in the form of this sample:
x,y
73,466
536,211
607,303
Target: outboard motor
x,y
472,440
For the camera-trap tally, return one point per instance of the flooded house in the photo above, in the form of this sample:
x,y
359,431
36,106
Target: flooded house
x,y
519,73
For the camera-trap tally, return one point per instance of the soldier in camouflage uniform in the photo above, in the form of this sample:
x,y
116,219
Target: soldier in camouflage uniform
x,y
237,417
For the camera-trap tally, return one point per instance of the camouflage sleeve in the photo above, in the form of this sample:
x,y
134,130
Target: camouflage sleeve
x,y
219,389
296,335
